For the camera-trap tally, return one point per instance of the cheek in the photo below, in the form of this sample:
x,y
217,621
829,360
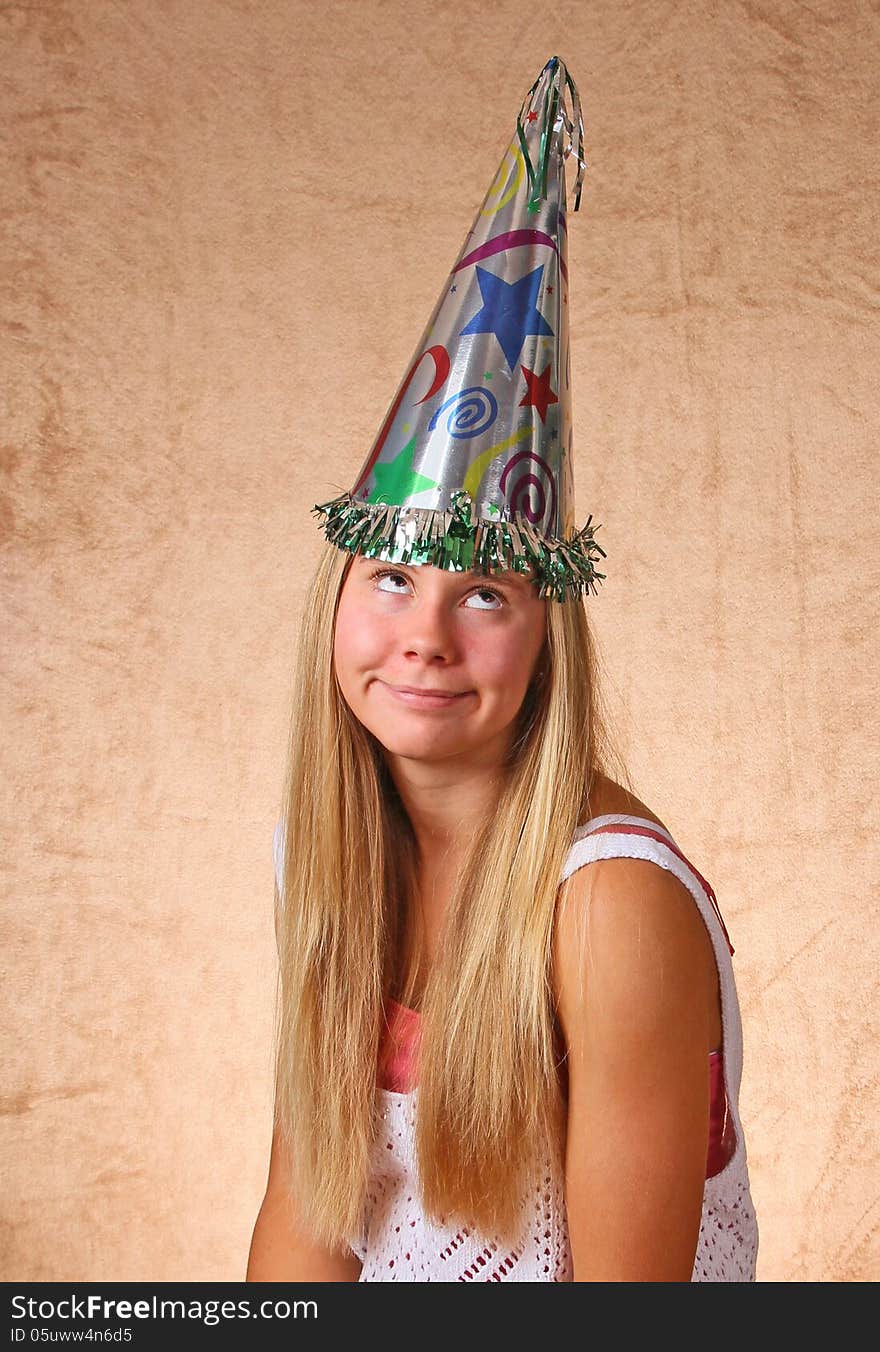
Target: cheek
x,y
352,641
360,643
497,662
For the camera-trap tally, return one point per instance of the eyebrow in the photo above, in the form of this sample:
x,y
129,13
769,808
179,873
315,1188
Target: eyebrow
x,y
509,578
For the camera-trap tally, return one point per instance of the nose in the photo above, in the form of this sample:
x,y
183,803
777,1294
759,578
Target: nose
x,y
429,635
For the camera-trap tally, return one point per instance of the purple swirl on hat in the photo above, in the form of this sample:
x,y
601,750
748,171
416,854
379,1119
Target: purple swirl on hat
x,y
518,495
477,409
511,240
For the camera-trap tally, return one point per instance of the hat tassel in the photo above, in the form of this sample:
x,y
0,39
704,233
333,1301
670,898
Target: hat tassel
x,y
554,102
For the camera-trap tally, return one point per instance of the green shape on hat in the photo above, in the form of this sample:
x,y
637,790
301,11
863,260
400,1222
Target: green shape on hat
x,y
397,480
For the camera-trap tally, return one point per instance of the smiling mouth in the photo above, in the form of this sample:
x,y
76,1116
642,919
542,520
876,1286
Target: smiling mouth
x,y
426,699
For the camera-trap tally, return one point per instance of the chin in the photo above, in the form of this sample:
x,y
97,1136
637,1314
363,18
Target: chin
x,y
420,747
419,743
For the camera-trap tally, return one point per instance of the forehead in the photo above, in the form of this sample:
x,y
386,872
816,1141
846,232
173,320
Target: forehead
x,y
507,577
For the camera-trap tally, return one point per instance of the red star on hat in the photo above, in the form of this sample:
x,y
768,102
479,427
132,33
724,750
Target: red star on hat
x,y
539,394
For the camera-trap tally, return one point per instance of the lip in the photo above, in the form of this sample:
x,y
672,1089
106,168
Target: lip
x,y
425,699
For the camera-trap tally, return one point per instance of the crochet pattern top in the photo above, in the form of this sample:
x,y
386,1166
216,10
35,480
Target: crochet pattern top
x,y
398,1242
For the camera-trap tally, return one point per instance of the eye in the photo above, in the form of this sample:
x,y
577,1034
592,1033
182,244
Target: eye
x,y
386,572
393,575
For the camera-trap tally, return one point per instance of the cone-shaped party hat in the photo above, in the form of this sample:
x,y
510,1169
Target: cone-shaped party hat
x,y
472,467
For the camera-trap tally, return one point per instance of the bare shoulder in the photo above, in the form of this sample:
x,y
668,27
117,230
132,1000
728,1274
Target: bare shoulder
x,y
607,797
632,958
630,949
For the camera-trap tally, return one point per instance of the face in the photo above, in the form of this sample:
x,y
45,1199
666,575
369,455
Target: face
x,y
476,638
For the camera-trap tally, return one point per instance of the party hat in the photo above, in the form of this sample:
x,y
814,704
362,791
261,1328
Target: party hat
x,y
472,467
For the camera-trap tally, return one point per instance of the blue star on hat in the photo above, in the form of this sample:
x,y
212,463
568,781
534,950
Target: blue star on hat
x,y
509,311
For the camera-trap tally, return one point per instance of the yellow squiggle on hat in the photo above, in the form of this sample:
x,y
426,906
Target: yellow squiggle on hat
x,y
474,476
515,150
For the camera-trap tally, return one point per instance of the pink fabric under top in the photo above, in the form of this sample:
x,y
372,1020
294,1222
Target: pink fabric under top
x,y
399,1056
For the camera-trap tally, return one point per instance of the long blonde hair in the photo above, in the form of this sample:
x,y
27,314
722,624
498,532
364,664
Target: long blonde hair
x,y
490,1101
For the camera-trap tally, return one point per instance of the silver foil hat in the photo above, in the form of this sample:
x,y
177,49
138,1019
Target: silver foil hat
x,y
472,467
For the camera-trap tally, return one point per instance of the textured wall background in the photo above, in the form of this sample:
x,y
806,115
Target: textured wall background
x,y
225,225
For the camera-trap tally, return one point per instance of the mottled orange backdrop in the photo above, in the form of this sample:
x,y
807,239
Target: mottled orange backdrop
x,y
225,225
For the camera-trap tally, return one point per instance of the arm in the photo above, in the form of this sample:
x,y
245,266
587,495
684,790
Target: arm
x,y
279,1253
634,975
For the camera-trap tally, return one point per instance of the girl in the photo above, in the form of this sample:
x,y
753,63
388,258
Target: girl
x,y
509,1044
481,921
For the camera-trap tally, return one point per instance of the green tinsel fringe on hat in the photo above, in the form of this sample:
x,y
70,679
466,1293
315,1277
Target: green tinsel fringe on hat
x,y
450,539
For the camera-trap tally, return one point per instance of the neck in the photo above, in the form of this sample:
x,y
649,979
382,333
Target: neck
x,y
445,800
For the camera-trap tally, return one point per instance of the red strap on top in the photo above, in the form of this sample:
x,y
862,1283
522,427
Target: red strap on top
x,y
631,830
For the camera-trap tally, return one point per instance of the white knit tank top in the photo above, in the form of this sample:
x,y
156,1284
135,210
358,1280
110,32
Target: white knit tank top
x,y
398,1243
